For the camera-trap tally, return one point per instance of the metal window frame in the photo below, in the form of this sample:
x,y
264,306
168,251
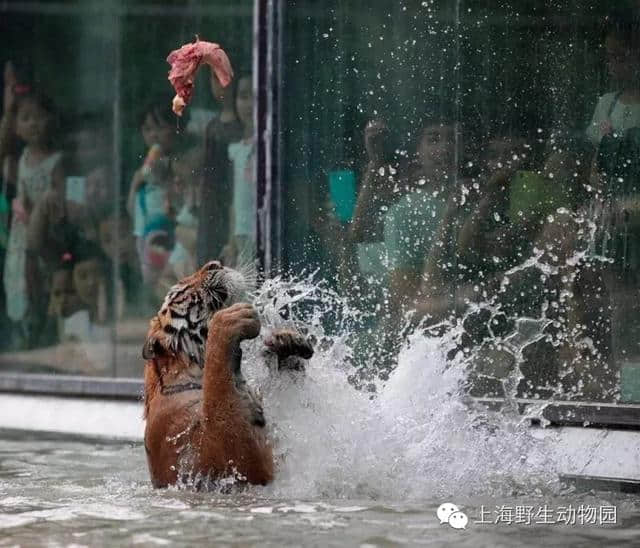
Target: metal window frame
x,y
589,414
267,85
72,385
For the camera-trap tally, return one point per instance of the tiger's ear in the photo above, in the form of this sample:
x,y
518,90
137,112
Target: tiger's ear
x,y
152,348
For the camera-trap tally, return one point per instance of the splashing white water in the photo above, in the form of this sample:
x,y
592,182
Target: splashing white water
x,y
417,435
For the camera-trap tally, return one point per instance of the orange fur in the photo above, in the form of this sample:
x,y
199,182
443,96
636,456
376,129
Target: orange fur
x,y
205,431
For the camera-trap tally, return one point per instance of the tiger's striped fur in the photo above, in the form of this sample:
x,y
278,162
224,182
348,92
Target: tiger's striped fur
x,y
175,387
202,417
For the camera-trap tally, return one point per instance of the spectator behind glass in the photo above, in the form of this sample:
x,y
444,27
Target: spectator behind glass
x,y
9,145
619,110
412,200
90,281
216,186
615,129
150,184
381,178
89,322
64,215
474,237
88,161
412,223
186,167
241,248
503,161
63,300
33,119
582,312
378,182
120,248
187,172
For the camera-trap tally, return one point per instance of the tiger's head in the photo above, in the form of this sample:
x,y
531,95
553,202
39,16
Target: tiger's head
x,y
180,328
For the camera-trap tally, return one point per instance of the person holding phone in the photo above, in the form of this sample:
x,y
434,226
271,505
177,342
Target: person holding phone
x,y
376,191
382,173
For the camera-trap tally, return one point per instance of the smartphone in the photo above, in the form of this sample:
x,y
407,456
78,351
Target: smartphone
x,y
76,189
343,194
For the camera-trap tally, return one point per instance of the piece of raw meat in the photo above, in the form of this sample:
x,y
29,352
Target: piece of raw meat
x,y
185,63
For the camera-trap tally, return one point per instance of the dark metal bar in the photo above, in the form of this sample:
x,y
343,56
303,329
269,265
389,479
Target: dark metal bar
x,y
267,58
575,413
72,385
14,434
261,115
612,416
272,137
588,483
117,172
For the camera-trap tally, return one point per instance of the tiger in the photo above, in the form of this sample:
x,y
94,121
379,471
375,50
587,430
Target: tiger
x,y
203,422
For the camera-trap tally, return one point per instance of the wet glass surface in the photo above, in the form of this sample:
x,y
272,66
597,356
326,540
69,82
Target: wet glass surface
x,y
471,165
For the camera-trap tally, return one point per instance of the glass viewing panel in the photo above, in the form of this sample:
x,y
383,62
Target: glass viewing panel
x,y
107,197
471,169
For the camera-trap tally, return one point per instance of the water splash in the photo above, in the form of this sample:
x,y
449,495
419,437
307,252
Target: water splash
x,y
418,433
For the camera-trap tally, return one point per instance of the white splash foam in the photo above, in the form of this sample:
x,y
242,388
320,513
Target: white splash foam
x,y
416,436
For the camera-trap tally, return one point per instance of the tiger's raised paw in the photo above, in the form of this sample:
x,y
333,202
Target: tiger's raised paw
x,y
237,323
289,346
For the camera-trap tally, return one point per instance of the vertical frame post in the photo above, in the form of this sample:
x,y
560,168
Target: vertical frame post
x,y
267,78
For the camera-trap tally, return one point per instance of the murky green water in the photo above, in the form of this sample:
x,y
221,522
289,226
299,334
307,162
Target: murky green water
x,y
61,492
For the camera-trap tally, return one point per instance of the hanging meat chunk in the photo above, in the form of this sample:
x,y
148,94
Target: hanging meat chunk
x,y
185,63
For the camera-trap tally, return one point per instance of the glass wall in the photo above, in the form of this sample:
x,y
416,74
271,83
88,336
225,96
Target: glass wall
x,y
463,169
107,197
469,169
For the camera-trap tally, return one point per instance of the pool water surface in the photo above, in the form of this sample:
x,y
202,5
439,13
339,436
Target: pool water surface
x,y
61,492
